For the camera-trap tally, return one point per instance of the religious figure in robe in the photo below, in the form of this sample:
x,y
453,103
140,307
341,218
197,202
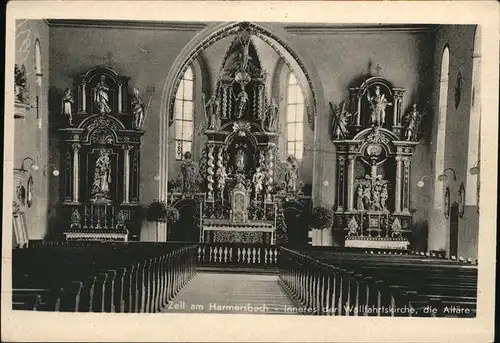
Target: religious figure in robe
x,y
291,175
240,160
384,195
67,105
340,121
257,180
242,100
102,174
412,123
221,176
138,110
378,103
353,227
101,97
271,116
360,206
189,172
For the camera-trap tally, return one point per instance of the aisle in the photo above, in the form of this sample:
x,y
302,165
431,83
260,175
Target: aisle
x,y
231,293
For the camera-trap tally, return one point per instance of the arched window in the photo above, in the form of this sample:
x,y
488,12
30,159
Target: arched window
x,y
471,193
38,63
294,118
183,115
441,134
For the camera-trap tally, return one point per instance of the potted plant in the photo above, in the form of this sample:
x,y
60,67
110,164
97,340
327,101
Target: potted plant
x,y
159,212
321,223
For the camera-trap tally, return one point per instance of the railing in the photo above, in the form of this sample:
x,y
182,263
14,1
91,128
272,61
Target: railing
x,y
238,255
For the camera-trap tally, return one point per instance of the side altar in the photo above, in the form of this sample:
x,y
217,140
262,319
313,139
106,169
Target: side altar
x,y
375,141
240,200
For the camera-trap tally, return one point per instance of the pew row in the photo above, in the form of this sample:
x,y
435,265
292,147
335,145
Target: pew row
x,y
101,277
340,283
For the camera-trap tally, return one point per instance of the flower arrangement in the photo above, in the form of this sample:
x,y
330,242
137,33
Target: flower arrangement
x,y
159,212
172,215
321,218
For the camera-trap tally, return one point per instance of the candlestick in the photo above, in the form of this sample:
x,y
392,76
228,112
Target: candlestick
x,y
379,224
105,216
92,215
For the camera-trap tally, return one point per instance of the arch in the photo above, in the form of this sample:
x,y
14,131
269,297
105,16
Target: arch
x,y
276,37
471,194
439,164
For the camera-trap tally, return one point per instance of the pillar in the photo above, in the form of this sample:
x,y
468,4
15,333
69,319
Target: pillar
x,y
84,99
350,183
341,183
120,97
406,184
397,201
126,173
76,166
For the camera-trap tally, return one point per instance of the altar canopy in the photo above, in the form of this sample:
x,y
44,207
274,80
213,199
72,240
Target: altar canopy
x,y
375,141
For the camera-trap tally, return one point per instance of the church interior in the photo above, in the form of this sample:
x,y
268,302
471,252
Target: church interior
x,y
330,157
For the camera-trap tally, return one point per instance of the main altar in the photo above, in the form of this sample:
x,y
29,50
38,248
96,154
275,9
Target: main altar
x,y
375,140
239,189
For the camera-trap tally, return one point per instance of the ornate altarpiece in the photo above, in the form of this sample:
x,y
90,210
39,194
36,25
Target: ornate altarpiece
x,y
100,156
373,200
241,197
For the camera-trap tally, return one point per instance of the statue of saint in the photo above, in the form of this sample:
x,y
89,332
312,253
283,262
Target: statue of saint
x,y
353,227
189,174
221,180
271,116
376,198
258,178
340,121
378,103
102,174
384,195
360,194
67,105
396,228
412,121
240,160
211,109
138,110
291,174
242,103
367,197
101,96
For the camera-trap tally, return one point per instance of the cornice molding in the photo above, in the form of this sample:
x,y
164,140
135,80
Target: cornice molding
x,y
358,28
128,24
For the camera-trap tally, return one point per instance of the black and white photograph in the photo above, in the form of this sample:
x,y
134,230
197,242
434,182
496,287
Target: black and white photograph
x,y
177,167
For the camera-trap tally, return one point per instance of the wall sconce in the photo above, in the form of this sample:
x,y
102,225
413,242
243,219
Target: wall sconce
x,y
444,177
421,182
55,172
33,165
475,169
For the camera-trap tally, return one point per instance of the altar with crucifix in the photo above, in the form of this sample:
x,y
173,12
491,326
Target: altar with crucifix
x,y
374,151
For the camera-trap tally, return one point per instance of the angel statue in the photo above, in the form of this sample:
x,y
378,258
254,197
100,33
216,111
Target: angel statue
x,y
378,103
67,105
353,227
340,120
412,123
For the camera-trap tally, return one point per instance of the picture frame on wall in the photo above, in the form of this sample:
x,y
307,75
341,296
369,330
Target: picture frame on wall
x,y
447,202
461,200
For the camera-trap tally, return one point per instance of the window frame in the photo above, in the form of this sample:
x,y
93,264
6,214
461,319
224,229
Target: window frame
x,y
297,120
179,138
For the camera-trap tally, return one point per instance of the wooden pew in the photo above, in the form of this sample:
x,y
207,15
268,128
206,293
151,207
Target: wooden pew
x,y
333,281
106,277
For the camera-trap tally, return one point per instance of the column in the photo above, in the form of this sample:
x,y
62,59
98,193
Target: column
x,y
395,108
340,183
397,201
76,159
350,183
126,173
358,116
84,96
120,96
406,184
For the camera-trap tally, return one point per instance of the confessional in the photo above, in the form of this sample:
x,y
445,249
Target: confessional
x,y
100,159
